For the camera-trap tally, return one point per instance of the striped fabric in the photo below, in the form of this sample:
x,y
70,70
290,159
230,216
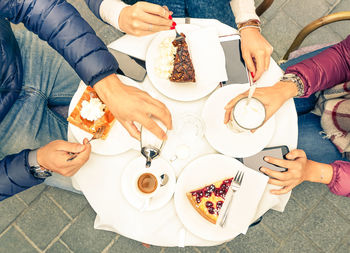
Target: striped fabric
x,y
334,107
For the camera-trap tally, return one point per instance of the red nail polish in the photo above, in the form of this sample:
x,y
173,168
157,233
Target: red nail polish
x,y
172,28
252,74
170,17
174,24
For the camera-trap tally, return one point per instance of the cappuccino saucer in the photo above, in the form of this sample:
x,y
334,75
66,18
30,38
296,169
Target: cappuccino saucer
x,y
221,137
159,166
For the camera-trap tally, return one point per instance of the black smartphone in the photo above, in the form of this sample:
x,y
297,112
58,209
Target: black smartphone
x,y
256,161
235,66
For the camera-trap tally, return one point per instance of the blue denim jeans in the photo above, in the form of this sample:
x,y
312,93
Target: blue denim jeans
x,y
216,9
309,125
48,81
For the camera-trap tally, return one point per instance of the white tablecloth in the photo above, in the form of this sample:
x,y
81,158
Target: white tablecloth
x,y
99,179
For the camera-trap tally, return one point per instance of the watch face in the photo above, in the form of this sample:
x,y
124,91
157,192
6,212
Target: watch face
x,y
39,172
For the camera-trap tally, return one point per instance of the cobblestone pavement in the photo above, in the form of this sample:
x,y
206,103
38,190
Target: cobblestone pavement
x,y
45,219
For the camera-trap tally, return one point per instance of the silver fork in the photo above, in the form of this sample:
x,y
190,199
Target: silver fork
x,y
235,185
97,135
178,36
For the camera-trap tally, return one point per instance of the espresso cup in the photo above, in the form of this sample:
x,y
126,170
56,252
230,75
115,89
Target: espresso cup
x,y
247,116
146,184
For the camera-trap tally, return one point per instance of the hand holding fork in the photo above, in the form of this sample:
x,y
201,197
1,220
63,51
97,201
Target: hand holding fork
x,y
98,134
235,185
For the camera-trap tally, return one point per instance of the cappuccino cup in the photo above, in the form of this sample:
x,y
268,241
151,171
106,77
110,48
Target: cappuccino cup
x,y
247,116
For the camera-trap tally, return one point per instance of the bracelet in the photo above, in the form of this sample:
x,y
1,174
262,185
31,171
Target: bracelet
x,y
296,80
253,22
249,26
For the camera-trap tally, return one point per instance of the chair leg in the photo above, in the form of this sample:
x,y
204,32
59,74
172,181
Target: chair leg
x,y
263,7
338,16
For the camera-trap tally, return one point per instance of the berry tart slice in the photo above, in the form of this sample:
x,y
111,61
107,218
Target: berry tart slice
x,y
208,200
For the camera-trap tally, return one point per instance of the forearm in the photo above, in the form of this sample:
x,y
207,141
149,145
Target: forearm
x,y
286,90
318,172
108,87
329,68
243,10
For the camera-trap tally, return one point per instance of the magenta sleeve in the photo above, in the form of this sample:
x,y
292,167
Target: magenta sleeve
x,y
340,183
328,68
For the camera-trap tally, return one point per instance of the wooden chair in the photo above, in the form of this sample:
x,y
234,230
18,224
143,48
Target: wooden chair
x,y
263,7
331,18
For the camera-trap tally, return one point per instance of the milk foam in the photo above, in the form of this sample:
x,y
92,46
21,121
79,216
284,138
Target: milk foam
x,y
249,116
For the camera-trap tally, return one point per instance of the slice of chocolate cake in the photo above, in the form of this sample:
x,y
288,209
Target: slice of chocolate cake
x,y
183,68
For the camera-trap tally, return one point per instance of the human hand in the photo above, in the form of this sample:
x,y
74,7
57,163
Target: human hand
x,y
129,104
144,18
298,171
273,97
256,51
54,155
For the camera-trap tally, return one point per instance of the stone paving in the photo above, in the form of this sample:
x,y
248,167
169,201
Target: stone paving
x,y
46,219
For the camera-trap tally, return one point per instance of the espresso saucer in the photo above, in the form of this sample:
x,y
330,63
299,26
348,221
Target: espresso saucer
x,y
159,166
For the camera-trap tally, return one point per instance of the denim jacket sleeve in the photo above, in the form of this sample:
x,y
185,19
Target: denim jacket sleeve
x,y
61,25
15,176
329,68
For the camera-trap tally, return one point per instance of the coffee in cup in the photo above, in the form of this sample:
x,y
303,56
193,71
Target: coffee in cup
x,y
147,183
247,116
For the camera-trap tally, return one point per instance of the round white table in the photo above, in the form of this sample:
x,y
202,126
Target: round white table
x,y
99,179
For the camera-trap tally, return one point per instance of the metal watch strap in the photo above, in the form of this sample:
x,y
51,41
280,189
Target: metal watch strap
x,y
40,172
295,79
34,167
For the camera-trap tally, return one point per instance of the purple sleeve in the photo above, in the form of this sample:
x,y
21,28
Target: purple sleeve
x,y
340,183
329,68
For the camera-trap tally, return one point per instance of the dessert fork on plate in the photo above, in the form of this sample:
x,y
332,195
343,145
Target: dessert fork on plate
x,y
235,185
97,135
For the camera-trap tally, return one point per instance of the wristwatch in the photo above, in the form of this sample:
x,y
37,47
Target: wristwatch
x,y
296,80
34,167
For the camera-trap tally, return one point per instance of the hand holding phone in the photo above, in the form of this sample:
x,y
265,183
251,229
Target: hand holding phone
x,y
300,169
257,161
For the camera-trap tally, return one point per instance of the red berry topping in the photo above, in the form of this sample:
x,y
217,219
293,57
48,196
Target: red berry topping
x,y
219,204
209,204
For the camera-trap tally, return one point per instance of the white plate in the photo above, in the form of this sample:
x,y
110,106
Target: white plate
x,y
209,169
118,140
178,91
224,140
159,166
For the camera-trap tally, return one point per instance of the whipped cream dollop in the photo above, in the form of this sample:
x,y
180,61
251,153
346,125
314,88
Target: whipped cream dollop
x,y
93,109
164,64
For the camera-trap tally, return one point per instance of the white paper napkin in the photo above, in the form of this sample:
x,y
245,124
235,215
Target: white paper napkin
x,y
133,45
207,55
